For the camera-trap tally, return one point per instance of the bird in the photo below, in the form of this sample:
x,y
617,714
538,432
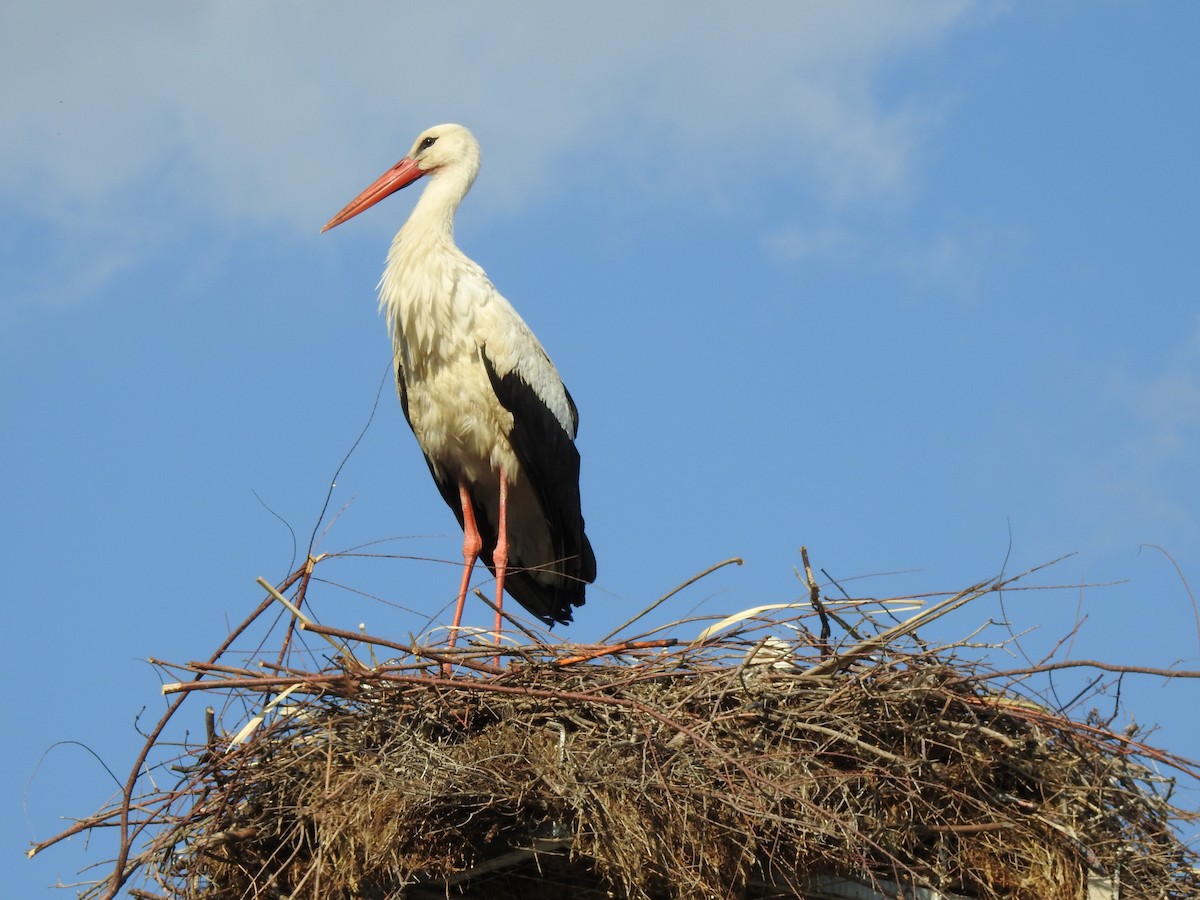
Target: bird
x,y
488,408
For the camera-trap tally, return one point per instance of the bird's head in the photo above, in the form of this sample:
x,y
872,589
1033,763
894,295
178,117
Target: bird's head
x,y
442,148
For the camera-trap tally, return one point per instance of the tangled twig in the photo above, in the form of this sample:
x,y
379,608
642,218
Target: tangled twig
x,y
647,768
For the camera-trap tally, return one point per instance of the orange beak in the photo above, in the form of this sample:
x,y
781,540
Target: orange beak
x,y
402,174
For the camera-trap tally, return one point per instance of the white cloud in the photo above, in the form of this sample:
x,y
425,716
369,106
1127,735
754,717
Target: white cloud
x,y
822,242
950,265
1147,478
947,263
276,113
1168,406
254,102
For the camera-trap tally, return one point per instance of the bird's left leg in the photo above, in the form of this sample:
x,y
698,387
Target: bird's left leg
x,y
472,544
500,555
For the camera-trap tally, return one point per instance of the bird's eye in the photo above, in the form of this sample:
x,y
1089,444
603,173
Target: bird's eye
x,y
426,144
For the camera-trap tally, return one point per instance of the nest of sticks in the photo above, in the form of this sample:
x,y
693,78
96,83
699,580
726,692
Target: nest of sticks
x,y
794,751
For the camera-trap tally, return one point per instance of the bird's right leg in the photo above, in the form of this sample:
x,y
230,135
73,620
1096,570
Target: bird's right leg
x,y
500,555
472,544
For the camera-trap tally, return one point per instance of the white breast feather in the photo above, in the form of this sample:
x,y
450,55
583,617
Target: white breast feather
x,y
442,309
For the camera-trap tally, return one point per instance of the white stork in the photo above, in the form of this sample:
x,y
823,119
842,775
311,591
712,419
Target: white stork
x,y
487,406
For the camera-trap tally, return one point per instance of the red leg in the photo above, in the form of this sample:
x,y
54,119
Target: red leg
x,y
500,556
472,544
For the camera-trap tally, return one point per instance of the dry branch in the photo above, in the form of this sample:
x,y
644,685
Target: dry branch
x,y
740,766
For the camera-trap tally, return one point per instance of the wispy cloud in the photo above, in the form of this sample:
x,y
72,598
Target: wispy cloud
x,y
1145,477
263,113
827,242
956,264
945,265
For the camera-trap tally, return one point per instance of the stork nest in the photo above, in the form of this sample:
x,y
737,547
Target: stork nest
x,y
741,765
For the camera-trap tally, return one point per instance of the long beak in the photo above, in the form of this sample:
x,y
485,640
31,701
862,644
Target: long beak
x,y
400,175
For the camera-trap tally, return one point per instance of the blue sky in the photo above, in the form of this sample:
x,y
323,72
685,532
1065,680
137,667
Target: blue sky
x,y
914,285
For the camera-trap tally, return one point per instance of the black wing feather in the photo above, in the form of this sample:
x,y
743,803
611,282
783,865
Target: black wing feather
x,y
551,463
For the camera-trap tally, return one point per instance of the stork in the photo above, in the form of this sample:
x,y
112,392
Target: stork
x,y
487,406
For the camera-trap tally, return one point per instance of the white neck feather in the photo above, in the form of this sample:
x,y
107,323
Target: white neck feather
x,y
420,252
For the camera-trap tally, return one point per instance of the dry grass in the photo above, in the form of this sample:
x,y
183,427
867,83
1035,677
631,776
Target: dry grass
x,y
739,766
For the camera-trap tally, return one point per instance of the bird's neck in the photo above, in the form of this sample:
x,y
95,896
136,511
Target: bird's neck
x,y
432,219
426,241
421,255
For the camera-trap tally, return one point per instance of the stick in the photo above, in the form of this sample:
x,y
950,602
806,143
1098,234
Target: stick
x,y
669,594
304,620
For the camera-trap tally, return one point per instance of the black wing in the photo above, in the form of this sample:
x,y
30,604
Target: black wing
x,y
550,461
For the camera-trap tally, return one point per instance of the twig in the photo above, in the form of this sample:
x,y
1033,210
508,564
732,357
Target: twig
x,y
612,650
420,652
911,624
1084,664
304,620
121,870
814,598
669,594
515,623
